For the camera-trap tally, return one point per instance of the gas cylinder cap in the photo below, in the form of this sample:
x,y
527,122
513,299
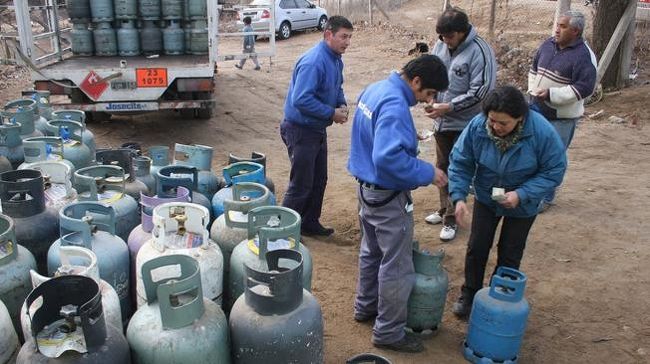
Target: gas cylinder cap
x,y
244,198
69,312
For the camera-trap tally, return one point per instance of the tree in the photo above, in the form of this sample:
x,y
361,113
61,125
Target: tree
x,y
607,17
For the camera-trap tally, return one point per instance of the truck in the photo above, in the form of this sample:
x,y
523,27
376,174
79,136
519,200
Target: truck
x,y
105,85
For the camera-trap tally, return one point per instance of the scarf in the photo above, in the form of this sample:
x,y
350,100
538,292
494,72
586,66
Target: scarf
x,y
503,143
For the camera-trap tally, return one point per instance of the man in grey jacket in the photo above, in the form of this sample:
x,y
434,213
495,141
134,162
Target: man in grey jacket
x,y
472,70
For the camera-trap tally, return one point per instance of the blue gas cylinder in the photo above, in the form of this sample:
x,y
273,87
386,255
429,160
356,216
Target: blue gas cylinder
x,y
236,173
498,319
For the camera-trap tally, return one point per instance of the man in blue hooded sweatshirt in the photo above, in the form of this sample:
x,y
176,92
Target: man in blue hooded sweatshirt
x,y
315,99
383,159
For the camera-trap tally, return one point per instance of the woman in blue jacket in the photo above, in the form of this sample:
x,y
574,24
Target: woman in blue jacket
x,y
514,157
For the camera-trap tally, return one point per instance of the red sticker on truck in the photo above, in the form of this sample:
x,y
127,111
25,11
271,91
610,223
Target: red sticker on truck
x,y
93,85
151,77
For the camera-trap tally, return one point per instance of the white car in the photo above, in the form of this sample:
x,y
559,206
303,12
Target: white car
x,y
290,15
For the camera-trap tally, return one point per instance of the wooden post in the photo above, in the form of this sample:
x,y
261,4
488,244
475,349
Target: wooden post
x,y
493,10
615,40
562,7
446,5
338,7
627,49
370,10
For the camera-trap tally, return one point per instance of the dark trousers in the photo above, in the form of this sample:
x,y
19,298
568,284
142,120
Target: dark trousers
x,y
307,151
512,241
445,141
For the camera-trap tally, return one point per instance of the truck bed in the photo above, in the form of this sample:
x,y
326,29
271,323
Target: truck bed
x,y
77,63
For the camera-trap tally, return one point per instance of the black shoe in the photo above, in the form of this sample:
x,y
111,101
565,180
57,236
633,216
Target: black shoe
x,y
320,230
360,317
462,308
408,344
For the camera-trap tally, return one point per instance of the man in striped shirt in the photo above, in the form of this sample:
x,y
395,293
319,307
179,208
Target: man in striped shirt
x,y
472,69
562,75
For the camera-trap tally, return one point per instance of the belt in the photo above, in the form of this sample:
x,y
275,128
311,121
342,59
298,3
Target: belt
x,y
371,186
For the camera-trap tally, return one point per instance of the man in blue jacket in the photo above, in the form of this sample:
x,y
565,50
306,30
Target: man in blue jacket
x,y
562,75
383,159
315,99
472,70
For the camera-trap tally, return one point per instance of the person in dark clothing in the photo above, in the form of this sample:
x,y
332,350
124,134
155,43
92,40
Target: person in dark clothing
x,y
383,159
314,101
513,157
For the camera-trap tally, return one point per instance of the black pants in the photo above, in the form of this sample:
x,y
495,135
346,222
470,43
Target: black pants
x,y
307,151
512,241
444,144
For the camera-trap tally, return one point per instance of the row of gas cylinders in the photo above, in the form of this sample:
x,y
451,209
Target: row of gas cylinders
x,y
152,37
109,10
74,316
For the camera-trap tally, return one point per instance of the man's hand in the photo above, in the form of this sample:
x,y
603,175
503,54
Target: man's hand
x,y
462,213
440,178
541,94
511,200
437,110
341,114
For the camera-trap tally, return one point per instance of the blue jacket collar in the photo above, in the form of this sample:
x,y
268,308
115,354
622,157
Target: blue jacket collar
x,y
328,50
396,80
528,126
574,44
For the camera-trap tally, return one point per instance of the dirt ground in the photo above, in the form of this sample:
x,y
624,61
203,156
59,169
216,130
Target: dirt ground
x,y
586,258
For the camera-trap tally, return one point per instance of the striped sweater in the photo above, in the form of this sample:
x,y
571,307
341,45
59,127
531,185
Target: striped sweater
x,y
569,74
472,70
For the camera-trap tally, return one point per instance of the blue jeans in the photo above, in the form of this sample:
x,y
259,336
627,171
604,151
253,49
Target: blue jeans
x,y
565,129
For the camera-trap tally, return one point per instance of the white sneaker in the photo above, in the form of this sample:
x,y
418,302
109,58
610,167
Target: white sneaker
x,y
448,232
434,218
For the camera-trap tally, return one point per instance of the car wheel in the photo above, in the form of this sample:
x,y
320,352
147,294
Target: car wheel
x,y
321,22
285,30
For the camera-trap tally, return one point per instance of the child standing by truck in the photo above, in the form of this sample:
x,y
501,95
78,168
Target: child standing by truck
x,y
249,45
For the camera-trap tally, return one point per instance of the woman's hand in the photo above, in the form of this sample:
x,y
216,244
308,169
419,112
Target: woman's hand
x,y
511,200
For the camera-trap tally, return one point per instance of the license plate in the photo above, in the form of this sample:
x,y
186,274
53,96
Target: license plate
x,y
151,77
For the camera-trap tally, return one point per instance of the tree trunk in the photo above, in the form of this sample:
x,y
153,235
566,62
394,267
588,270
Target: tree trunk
x,y
607,17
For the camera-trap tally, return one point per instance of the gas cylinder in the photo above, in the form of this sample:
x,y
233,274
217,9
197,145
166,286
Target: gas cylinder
x,y
197,9
92,225
256,157
74,149
178,323
142,233
269,228
276,320
181,228
105,39
9,345
11,145
43,108
57,180
199,37
498,319
142,169
233,174
151,38
45,148
231,228
23,111
5,164
159,155
82,40
174,38
101,10
172,9
78,10
69,326
126,9
77,115
15,264
80,261
106,184
128,39
199,156
23,199
427,300
171,177
123,157
149,9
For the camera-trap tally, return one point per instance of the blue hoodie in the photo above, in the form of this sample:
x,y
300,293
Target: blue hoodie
x,y
384,144
315,89
533,167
